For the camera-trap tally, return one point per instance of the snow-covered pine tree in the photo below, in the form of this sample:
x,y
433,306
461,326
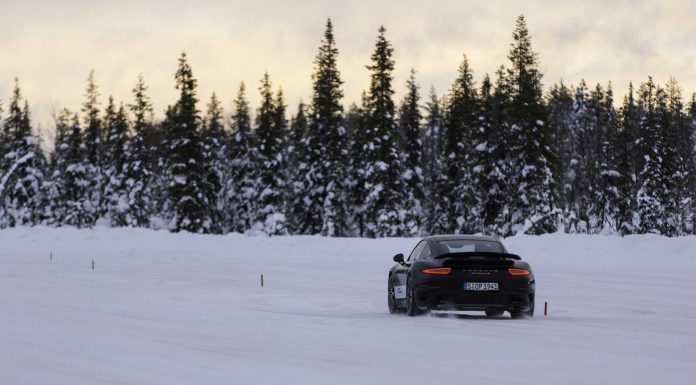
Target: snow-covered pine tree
x,y
604,177
679,162
383,208
581,161
92,143
138,174
650,209
690,204
561,118
296,172
159,144
592,116
116,155
280,122
55,210
432,160
241,204
21,168
486,176
455,185
4,137
269,217
4,148
188,186
76,195
215,155
327,142
626,154
335,212
503,179
606,186
411,148
356,123
533,209
671,120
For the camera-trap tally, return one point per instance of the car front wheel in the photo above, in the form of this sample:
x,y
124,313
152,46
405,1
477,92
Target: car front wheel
x,y
391,298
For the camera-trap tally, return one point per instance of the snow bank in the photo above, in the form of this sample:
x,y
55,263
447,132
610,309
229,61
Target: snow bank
x,y
164,308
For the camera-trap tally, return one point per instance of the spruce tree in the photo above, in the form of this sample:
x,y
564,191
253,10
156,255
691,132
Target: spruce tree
x,y
4,138
411,148
297,171
626,155
139,174
582,160
93,123
606,185
672,121
92,142
21,168
76,195
325,182
54,187
116,155
432,161
561,106
356,123
215,155
188,187
690,179
652,102
241,204
456,189
500,207
486,176
591,118
383,208
594,160
533,209
678,159
269,217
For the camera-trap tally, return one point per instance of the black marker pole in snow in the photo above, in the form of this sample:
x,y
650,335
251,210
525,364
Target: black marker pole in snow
x,y
93,264
261,280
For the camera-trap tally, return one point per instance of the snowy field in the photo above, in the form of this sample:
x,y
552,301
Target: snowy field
x,y
161,308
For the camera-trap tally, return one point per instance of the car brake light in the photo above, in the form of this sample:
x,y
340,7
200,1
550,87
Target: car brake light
x,y
518,271
438,270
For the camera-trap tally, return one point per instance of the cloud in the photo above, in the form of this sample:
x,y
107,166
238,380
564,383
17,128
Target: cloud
x,y
51,46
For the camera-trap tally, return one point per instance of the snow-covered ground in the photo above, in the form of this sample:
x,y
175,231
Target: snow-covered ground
x,y
164,308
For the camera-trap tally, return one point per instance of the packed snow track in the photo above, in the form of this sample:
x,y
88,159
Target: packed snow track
x,y
163,308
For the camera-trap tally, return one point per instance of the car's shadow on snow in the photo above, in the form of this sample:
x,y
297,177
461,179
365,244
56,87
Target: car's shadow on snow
x,y
457,315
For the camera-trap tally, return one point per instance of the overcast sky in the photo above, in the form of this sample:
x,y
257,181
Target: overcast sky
x,y
52,45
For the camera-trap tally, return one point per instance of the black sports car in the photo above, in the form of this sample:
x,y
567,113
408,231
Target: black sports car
x,y
461,272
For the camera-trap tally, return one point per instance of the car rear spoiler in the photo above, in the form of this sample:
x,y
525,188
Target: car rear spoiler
x,y
479,254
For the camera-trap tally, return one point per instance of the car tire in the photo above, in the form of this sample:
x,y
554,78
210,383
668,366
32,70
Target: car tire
x,y
494,313
411,308
522,314
391,298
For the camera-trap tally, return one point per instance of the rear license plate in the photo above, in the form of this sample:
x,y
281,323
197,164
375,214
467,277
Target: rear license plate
x,y
481,286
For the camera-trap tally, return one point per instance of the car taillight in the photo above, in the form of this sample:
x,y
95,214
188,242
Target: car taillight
x,y
438,270
518,271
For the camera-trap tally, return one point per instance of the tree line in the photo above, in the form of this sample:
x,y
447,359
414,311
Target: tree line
x,y
501,157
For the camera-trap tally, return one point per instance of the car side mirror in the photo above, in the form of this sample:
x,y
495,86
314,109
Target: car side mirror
x,y
399,258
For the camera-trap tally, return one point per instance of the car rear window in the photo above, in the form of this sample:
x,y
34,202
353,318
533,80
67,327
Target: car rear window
x,y
467,246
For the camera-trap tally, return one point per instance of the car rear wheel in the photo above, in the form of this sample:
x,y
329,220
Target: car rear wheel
x,y
391,298
411,308
522,314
